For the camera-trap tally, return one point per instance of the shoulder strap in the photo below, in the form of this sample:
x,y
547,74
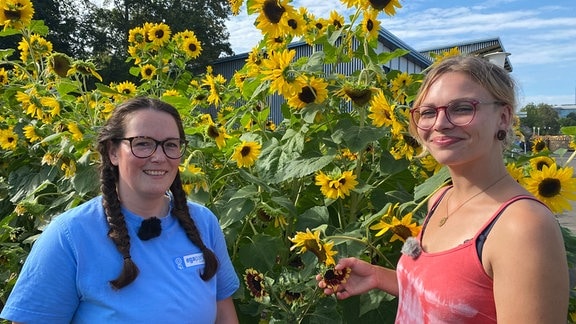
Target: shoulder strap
x,y
488,227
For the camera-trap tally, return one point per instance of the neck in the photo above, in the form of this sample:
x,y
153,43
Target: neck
x,y
147,208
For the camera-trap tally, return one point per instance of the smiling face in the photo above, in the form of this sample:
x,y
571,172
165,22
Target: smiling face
x,y
453,145
142,181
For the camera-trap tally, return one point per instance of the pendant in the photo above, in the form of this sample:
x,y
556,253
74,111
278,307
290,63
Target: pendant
x,y
442,221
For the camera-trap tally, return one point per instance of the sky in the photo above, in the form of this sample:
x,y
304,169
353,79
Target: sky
x,y
539,35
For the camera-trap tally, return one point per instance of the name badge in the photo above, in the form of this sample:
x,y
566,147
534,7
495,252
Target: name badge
x,y
189,260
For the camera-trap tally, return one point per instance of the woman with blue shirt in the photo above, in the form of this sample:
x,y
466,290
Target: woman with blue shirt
x,y
140,252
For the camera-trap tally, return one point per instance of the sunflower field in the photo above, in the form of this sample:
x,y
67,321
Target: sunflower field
x,y
338,176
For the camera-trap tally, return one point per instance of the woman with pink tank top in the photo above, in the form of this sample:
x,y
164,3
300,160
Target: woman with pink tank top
x,y
488,251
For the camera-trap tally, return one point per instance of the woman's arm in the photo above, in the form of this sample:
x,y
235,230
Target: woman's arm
x,y
527,260
226,313
363,278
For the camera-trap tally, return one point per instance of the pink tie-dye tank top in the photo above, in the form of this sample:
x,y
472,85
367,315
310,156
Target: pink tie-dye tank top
x,y
449,286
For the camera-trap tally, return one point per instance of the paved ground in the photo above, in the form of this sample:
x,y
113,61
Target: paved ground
x,y
568,219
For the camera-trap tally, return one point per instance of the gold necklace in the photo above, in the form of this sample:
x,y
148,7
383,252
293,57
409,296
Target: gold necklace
x,y
445,218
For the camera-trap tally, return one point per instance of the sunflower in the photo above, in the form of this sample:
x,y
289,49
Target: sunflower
x,y
37,45
313,91
8,139
218,134
148,71
75,131
126,88
296,23
254,61
381,112
51,103
171,93
539,162
84,68
235,6
159,34
59,64
430,164
336,185
215,84
69,168
454,51
359,94
308,241
399,84
273,17
275,69
254,281
193,178
401,229
137,37
538,145
516,172
290,297
192,47
336,19
554,186
28,102
371,25
389,6
30,133
3,76
334,278
16,14
246,154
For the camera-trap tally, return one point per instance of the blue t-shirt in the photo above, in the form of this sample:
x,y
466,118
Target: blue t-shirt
x,y
66,276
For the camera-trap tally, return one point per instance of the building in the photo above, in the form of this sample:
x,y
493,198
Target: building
x,y
564,110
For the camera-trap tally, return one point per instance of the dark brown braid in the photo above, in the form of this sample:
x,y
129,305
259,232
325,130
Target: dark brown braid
x,y
182,213
118,232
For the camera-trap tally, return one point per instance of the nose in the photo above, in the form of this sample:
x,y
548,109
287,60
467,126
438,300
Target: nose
x,y
158,155
442,120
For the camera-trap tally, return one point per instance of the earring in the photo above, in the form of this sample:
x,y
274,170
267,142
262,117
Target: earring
x,y
501,135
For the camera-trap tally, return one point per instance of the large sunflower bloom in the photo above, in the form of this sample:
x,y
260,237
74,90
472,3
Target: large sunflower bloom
x,y
193,178
254,281
401,228
272,20
126,88
538,145
380,110
246,154
314,91
30,133
16,14
371,25
75,131
192,47
389,6
148,71
553,186
8,139
274,69
218,134
539,162
159,34
137,37
336,186
308,241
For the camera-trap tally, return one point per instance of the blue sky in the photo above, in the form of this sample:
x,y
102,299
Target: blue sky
x,y
540,36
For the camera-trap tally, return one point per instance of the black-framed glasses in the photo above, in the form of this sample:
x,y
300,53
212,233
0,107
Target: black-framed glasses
x,y
144,146
459,113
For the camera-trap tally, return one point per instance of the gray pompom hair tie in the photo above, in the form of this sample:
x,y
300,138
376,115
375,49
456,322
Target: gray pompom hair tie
x,y
411,248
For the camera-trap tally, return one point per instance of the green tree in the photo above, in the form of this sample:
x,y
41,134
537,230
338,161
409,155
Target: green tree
x,y
106,29
569,120
541,116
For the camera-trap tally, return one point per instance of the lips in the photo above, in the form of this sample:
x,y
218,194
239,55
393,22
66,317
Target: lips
x,y
445,140
155,172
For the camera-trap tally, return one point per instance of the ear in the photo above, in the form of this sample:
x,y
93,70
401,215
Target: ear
x,y
506,117
113,155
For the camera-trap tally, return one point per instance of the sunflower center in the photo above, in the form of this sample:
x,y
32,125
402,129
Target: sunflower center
x,y
13,14
369,25
337,24
411,141
549,187
379,4
402,231
540,165
159,34
192,47
307,95
273,11
293,23
540,146
213,131
245,151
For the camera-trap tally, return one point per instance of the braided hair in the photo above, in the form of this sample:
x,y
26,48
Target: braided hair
x,y
109,176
